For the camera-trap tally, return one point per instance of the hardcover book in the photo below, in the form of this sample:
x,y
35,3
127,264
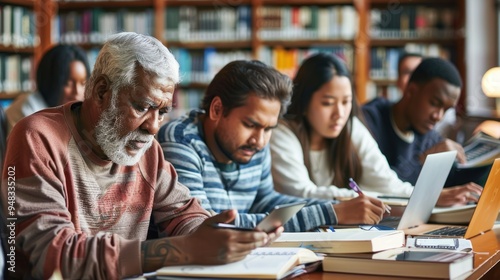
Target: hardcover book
x,y
402,262
343,241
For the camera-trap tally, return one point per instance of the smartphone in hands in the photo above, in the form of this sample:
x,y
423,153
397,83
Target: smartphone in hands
x,y
278,217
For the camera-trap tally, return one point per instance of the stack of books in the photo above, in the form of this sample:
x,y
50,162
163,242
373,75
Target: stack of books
x,y
354,251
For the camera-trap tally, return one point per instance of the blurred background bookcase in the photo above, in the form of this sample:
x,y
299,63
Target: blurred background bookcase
x,y
431,28
206,34
18,43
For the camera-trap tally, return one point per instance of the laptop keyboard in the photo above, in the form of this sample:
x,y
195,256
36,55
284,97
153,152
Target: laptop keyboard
x,y
390,221
448,231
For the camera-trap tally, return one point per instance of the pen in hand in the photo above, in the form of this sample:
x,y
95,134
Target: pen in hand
x,y
354,186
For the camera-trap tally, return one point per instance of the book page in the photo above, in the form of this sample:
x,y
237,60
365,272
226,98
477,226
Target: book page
x,y
480,150
452,215
458,208
263,263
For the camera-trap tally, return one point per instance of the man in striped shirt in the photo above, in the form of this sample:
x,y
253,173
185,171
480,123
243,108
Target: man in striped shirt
x,y
221,152
82,180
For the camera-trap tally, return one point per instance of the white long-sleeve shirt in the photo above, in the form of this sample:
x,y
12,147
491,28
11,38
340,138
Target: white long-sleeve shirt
x,y
291,177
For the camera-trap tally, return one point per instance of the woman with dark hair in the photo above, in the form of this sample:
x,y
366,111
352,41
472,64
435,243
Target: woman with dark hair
x,y
321,143
60,78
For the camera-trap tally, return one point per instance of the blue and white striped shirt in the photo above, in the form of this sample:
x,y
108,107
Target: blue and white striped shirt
x,y
245,187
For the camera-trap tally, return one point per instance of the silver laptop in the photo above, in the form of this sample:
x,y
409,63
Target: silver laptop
x,y
426,192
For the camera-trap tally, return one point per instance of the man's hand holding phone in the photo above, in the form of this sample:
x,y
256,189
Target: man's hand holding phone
x,y
277,218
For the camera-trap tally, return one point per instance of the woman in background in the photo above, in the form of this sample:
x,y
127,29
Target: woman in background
x,y
60,78
321,143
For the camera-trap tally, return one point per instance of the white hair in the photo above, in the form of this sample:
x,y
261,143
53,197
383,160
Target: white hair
x,y
124,51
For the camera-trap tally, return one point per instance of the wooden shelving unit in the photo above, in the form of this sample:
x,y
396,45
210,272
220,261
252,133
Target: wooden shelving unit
x,y
454,40
361,44
11,49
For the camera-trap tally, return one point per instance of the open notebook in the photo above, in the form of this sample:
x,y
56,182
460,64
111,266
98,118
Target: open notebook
x,y
261,263
484,216
426,192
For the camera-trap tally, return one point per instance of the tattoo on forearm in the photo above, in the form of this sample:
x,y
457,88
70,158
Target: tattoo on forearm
x,y
222,254
158,253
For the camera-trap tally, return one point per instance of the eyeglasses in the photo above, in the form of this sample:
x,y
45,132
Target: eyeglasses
x,y
375,227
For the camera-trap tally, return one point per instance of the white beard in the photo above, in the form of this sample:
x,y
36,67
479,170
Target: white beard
x,y
107,136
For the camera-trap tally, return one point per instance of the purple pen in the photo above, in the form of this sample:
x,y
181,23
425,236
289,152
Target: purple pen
x,y
354,186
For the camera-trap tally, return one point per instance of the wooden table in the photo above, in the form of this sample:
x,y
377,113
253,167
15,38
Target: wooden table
x,y
486,262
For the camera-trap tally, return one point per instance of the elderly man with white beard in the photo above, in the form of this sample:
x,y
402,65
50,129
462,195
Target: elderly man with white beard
x,y
81,181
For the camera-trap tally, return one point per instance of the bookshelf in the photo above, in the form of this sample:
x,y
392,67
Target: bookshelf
x,y
431,28
18,47
204,35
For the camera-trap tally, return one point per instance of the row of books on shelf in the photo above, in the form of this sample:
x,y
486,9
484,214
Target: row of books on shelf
x,y
200,66
16,73
347,251
308,22
184,101
17,27
207,24
96,25
191,23
412,21
384,60
288,61
389,92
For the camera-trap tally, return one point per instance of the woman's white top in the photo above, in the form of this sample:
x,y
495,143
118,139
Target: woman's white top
x,y
291,177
